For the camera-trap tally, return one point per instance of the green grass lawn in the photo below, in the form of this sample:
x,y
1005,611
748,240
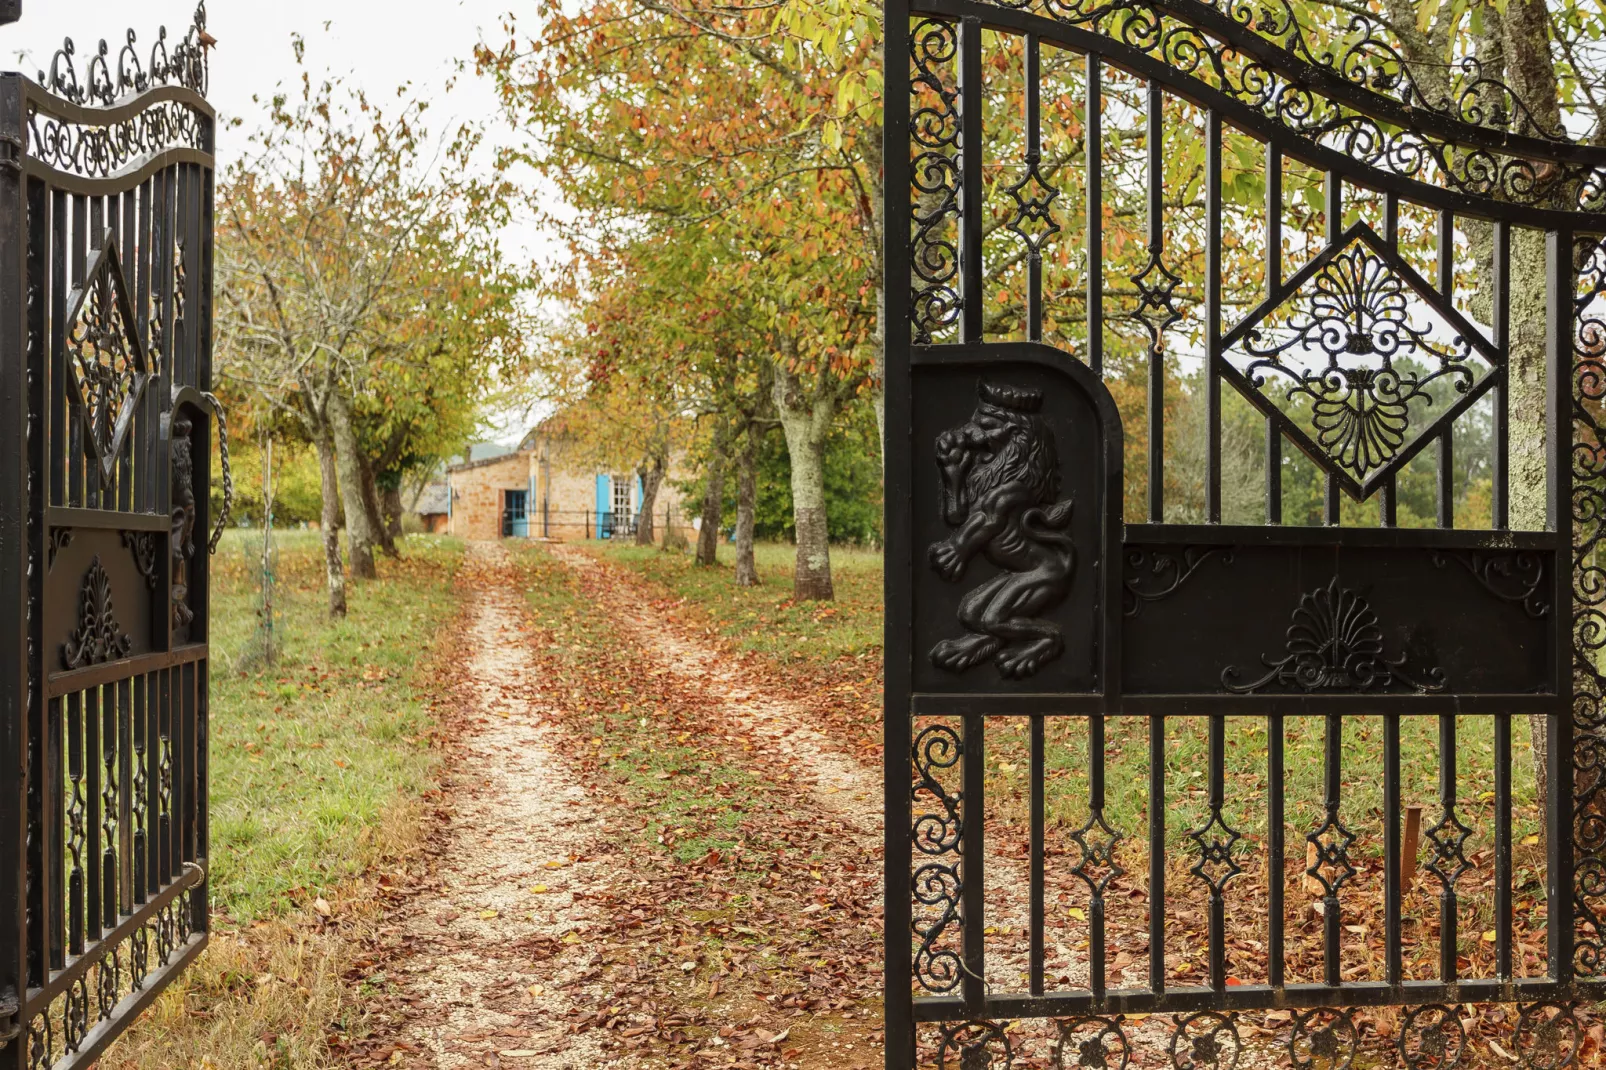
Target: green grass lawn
x,y
312,756
765,619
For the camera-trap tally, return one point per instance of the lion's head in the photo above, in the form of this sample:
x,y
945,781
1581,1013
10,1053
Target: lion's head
x,y
1004,441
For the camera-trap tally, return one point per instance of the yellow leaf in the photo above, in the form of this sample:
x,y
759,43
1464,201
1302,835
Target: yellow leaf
x,y
487,915
1078,913
1425,13
1529,841
571,938
1488,936
539,889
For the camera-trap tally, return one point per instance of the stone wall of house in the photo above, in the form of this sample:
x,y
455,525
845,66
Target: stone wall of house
x,y
477,491
568,486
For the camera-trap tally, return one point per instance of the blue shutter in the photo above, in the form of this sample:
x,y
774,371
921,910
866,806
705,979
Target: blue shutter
x,y
640,496
604,501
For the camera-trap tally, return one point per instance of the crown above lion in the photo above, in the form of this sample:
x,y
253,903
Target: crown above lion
x,y
1010,398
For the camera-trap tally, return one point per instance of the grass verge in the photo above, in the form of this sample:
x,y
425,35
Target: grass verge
x,y
321,766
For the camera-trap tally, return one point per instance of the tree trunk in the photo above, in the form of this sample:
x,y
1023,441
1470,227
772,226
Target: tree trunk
x,y
371,505
331,523
390,501
806,421
359,535
1531,72
714,497
746,501
651,479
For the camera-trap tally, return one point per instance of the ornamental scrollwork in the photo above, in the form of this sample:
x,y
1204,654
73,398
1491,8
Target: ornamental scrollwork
x,y
1588,611
936,883
105,361
1548,1036
1091,1043
144,546
975,1046
60,539
1517,577
1000,481
1207,1040
1334,644
1323,1039
934,127
1154,575
1345,346
98,637
1432,1038
1033,221
99,151
185,64
1355,96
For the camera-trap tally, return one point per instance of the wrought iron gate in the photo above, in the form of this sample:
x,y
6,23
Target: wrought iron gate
x,y
1113,619
105,469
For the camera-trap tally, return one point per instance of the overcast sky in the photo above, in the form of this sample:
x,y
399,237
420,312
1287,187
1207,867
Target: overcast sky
x,y
373,44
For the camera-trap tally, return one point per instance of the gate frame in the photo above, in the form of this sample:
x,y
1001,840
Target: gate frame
x,y
167,923
906,464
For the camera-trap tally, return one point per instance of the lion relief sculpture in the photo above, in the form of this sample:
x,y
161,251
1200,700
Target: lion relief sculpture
x,y
1000,479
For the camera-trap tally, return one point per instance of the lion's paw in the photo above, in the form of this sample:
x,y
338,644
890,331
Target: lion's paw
x,y
1019,662
957,655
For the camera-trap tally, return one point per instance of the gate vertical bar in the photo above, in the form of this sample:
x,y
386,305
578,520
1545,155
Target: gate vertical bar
x,y
1156,198
1093,153
898,1006
971,306
1034,154
15,698
1213,210
40,805
1500,444
972,867
1560,282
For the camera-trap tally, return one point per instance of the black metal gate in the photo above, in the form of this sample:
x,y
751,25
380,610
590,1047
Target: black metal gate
x,y
1202,673
106,172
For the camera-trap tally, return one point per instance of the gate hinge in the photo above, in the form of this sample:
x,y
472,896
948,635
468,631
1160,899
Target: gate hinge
x,y
10,1020
12,149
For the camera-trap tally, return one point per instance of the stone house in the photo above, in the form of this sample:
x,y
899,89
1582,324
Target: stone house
x,y
539,490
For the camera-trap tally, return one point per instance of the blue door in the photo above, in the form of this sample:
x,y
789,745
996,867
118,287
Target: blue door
x,y
604,507
515,517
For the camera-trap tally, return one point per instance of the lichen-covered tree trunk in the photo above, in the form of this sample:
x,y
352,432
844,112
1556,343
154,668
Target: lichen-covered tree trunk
x,y
330,520
806,417
652,477
746,502
359,536
713,496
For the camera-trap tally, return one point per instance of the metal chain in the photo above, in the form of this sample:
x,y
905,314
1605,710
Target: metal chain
x,y
228,476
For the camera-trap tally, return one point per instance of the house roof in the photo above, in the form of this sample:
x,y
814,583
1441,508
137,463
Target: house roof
x,y
482,462
433,500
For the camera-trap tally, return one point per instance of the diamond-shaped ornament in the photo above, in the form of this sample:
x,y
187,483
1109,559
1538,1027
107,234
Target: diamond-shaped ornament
x,y
1361,359
106,370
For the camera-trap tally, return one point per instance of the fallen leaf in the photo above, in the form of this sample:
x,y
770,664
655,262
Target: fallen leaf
x,y
321,905
487,915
